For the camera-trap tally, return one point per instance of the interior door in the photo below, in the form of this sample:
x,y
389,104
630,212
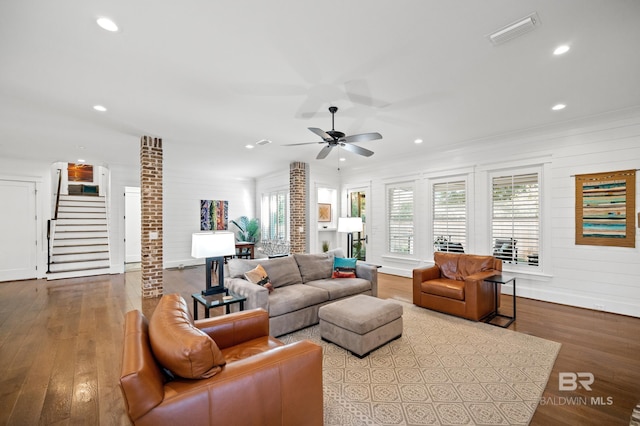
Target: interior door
x,y
358,208
18,245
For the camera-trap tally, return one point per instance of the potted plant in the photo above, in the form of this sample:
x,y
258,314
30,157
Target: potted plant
x,y
248,229
325,246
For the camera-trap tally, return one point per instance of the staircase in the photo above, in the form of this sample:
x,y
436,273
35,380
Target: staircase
x,y
80,244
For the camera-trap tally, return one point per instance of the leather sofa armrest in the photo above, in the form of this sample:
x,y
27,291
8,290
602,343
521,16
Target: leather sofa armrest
x,y
421,275
479,295
480,276
257,296
232,329
279,386
370,273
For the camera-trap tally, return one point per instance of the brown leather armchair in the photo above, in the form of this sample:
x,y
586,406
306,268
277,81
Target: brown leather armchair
x,y
455,285
262,381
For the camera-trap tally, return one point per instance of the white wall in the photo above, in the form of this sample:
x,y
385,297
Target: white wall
x,y
583,276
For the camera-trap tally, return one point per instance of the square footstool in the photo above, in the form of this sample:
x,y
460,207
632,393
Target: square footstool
x,y
360,323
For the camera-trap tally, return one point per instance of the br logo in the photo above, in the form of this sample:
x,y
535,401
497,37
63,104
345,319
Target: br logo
x,y
568,381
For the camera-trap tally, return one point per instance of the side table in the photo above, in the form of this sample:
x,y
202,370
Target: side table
x,y
216,300
501,279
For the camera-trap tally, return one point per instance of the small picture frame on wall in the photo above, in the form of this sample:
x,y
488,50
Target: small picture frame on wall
x,y
324,212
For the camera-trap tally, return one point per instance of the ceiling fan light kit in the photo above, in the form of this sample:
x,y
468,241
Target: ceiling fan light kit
x,y
335,138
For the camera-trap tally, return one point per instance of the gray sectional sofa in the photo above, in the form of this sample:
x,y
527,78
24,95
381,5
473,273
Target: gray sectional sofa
x,y
302,284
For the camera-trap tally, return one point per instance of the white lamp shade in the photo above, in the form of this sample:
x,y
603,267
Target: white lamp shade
x,y
349,224
213,244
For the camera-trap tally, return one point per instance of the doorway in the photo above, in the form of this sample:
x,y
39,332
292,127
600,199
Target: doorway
x,y
358,208
132,227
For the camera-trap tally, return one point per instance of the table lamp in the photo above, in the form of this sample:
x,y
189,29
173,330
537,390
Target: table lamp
x,y
214,246
349,225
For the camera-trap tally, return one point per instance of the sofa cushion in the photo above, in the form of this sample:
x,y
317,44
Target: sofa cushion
x,y
342,287
291,298
448,264
282,271
178,345
259,276
452,289
314,266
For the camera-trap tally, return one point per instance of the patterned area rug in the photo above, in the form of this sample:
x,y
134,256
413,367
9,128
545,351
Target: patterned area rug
x,y
442,371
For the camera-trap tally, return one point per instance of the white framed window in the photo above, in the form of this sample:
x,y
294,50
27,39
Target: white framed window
x,y
449,203
400,223
515,216
275,216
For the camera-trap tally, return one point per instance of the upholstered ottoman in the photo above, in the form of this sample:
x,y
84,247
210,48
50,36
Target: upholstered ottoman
x,y
360,323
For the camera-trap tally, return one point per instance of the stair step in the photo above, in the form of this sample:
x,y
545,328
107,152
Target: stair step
x,y
79,227
82,215
77,249
80,209
78,265
58,242
80,221
81,198
84,203
65,235
78,273
59,258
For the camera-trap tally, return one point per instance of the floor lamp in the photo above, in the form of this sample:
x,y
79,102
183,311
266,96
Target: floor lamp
x,y
349,225
214,246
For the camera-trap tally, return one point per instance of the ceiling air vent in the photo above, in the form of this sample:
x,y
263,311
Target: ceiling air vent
x,y
515,29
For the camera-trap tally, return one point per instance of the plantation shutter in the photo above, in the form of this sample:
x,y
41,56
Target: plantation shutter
x,y
450,216
516,218
275,216
400,219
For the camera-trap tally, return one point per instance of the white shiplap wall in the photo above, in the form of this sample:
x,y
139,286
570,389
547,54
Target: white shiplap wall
x,y
606,278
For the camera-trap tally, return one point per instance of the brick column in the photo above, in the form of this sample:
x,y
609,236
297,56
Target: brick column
x,y
298,207
151,205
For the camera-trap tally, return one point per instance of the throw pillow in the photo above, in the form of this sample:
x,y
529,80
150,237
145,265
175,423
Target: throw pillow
x,y
344,267
178,345
259,276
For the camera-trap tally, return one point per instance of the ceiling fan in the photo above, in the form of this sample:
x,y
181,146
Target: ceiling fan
x,y
335,138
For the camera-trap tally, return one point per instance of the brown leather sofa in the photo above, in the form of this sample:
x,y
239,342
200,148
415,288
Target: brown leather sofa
x,y
455,285
261,380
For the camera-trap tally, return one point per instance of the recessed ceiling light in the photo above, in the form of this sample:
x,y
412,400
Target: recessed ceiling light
x,y
81,160
99,108
418,141
561,49
107,24
249,146
558,107
343,159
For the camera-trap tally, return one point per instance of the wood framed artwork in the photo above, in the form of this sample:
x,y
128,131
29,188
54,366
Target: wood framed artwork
x,y
214,215
324,212
78,172
605,209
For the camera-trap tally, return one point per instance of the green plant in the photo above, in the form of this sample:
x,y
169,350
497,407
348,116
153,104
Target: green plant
x,y
248,229
325,246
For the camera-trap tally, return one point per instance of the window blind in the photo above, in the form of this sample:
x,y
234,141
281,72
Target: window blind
x,y
275,216
450,216
515,224
400,219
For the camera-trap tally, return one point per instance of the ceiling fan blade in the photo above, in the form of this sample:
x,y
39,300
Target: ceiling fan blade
x,y
324,152
362,137
324,135
301,143
357,149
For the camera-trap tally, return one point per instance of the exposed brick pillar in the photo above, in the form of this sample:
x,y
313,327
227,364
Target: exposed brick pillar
x,y
151,204
298,207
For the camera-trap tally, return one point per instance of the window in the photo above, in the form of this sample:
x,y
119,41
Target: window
x,y
515,224
450,216
400,219
275,216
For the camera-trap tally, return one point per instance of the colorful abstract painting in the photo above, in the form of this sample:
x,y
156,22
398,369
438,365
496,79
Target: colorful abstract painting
x,y
214,215
605,206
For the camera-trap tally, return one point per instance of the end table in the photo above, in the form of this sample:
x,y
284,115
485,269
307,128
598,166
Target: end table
x,y
216,300
501,279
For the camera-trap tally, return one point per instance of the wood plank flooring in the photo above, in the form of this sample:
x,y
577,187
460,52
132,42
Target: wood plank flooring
x,y
61,344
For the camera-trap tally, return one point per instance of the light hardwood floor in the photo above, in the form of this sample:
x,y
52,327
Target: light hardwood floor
x,y
61,343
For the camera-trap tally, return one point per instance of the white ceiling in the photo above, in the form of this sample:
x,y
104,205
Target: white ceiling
x,y
210,77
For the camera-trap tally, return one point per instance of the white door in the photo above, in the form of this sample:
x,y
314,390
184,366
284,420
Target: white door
x,y
132,225
18,247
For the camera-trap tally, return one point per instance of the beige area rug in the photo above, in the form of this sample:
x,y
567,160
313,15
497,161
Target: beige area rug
x,y
442,371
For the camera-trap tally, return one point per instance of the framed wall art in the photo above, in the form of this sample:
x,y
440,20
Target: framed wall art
x,y
214,215
605,209
324,212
